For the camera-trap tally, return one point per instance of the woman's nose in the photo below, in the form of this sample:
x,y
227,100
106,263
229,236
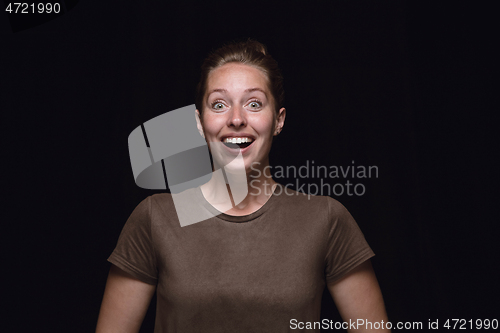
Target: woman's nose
x,y
236,117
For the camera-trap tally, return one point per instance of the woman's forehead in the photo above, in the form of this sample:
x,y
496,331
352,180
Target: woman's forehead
x,y
234,77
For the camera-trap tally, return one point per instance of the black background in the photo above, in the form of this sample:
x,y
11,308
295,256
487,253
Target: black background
x,y
405,86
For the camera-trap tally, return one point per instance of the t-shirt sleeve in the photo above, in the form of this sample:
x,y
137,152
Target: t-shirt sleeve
x,y
347,247
134,252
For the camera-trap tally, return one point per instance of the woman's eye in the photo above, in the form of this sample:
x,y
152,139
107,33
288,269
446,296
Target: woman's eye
x,y
218,106
254,105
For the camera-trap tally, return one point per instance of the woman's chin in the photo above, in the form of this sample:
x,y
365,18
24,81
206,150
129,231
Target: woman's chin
x,y
246,169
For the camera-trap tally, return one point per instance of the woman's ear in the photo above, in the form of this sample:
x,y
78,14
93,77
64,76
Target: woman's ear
x,y
280,121
198,124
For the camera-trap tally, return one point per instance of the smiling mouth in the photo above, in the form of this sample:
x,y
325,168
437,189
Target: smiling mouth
x,y
239,143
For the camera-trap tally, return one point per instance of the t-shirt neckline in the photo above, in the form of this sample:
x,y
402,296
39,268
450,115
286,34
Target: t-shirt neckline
x,y
244,218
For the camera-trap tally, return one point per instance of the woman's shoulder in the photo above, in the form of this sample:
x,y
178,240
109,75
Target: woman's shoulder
x,y
161,199
181,208
151,204
166,202
303,201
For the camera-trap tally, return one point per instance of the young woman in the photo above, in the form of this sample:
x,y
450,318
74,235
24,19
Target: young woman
x,y
261,263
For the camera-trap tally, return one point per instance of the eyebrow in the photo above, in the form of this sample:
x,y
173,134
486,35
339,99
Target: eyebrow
x,y
255,89
246,90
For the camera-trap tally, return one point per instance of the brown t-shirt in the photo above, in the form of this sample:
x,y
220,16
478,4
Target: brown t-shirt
x,y
252,273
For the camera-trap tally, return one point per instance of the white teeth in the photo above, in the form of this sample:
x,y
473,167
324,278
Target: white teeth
x,y
237,140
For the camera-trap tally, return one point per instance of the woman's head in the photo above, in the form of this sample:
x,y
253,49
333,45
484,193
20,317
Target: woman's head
x,y
251,53
237,108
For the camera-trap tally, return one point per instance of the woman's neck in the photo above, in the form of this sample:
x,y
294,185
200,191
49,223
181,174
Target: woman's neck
x,y
239,193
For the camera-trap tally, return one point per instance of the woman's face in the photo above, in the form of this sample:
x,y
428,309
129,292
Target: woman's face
x,y
239,108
